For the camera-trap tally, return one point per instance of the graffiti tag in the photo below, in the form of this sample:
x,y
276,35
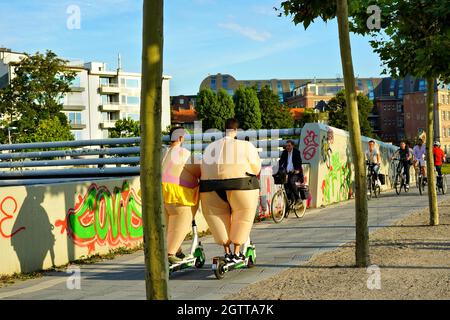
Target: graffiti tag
x,y
8,215
310,145
102,217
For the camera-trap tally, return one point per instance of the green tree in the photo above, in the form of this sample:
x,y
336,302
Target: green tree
x,y
415,40
274,115
304,12
35,92
246,108
213,109
155,251
125,128
48,130
337,109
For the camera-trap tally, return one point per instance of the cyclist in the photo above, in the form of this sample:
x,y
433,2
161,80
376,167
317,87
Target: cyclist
x,y
419,152
439,159
291,161
374,159
405,155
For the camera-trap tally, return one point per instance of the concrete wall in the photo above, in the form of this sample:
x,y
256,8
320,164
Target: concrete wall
x,y
328,152
55,224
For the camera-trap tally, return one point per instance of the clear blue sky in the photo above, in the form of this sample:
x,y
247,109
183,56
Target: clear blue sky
x,y
244,38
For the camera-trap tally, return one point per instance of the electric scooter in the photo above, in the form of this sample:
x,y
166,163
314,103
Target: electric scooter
x,y
197,256
220,266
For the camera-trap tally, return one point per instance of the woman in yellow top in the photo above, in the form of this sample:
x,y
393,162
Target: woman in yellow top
x,y
180,187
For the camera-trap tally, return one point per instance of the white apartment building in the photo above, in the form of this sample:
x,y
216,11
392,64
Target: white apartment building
x,y
98,98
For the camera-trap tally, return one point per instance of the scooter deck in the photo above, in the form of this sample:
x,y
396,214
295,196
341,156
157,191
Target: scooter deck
x,y
185,264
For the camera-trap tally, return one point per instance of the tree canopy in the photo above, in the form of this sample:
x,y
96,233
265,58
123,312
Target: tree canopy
x,y
274,115
214,108
35,93
125,128
247,108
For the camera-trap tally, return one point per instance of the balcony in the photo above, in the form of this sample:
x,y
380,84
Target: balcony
x,y
110,107
112,88
69,107
77,126
77,89
108,124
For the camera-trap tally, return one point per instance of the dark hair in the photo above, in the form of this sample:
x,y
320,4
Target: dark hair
x,y
231,124
174,134
291,142
371,141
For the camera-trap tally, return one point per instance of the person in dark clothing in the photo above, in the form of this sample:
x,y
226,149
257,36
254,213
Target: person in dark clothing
x,y
405,156
291,161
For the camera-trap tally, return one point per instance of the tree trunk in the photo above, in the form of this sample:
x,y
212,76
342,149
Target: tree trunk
x,y
432,196
361,211
156,276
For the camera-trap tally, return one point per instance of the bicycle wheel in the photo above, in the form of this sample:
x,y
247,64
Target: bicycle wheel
x,y
279,206
420,185
376,191
398,184
444,185
300,209
369,188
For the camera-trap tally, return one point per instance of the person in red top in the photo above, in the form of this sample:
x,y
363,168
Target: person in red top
x,y
439,158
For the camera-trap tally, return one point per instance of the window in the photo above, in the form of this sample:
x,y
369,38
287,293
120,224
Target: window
x,y
133,116
258,85
444,132
225,82
400,89
76,82
104,81
281,97
213,83
422,85
392,88
104,99
448,132
370,87
399,108
291,85
132,83
443,115
133,100
279,87
76,134
182,101
74,117
247,83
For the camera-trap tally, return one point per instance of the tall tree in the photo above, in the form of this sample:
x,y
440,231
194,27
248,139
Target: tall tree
x,y
155,253
246,108
213,109
125,128
273,114
305,12
337,108
48,130
35,92
418,44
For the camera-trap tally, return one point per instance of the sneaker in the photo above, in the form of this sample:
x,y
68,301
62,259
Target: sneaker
x,y
238,258
228,257
180,255
407,186
174,260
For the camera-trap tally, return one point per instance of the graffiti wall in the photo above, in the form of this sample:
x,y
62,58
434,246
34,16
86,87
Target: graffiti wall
x,y
42,226
327,150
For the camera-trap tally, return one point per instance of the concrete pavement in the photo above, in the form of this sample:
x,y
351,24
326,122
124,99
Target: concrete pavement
x,y
278,246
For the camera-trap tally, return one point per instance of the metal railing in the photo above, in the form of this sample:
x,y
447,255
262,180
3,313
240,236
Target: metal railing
x,y
51,162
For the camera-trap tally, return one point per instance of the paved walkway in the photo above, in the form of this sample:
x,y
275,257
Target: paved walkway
x,y
278,246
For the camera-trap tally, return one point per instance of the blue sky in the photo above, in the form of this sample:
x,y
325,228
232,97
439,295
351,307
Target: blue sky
x,y
244,38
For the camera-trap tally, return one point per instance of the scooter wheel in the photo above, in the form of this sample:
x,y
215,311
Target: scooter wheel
x,y
200,261
250,263
220,272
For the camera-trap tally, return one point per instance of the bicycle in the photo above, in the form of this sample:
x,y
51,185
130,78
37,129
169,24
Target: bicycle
x,y
372,186
281,205
441,183
400,178
420,181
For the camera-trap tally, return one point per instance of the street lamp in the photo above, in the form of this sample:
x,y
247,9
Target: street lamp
x,y
9,133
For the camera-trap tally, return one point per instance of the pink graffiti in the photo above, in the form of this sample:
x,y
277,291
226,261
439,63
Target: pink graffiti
x,y
8,216
311,145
